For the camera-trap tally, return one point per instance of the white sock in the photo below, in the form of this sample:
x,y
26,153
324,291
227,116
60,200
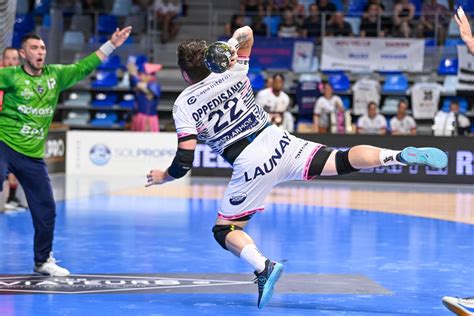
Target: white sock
x,y
388,157
254,257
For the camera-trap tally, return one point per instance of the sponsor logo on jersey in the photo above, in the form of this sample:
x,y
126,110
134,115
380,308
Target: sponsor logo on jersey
x,y
269,166
192,100
100,154
27,93
40,112
238,198
27,82
301,150
221,98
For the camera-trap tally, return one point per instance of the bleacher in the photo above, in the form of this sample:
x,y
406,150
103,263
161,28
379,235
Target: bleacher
x,y
105,96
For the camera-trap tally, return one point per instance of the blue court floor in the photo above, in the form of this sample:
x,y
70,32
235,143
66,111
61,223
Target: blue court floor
x,y
416,260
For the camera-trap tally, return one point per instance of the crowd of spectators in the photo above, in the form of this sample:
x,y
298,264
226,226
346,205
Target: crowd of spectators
x,y
317,18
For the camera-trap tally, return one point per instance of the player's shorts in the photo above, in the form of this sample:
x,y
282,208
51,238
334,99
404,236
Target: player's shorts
x,y
275,156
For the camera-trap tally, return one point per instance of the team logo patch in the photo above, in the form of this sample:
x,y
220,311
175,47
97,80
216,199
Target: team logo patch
x,y
237,199
40,89
192,100
100,154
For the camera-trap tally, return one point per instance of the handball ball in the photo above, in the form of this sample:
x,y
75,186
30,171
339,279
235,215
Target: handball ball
x,y
217,57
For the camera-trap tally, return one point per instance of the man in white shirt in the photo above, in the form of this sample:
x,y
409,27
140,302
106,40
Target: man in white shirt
x,y
372,123
452,123
324,106
277,103
403,124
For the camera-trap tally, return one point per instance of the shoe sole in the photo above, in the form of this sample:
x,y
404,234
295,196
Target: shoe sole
x,y
456,309
268,288
429,156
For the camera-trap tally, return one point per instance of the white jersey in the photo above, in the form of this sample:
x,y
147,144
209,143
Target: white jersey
x,y
371,125
219,109
272,103
324,107
425,99
403,126
465,69
365,91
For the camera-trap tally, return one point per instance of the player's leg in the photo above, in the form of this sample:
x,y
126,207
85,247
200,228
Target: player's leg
x,y
33,176
230,235
3,169
12,201
252,180
364,156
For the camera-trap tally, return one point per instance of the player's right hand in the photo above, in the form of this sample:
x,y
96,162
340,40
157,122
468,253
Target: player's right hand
x,y
156,177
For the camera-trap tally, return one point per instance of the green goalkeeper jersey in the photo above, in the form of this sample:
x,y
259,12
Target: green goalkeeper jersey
x,y
29,102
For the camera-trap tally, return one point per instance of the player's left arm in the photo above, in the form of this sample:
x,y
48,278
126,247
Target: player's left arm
x,y
68,75
182,163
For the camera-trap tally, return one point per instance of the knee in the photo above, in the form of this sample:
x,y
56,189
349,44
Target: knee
x,y
221,232
343,165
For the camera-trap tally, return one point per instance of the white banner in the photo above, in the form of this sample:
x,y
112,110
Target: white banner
x,y
372,54
302,56
118,153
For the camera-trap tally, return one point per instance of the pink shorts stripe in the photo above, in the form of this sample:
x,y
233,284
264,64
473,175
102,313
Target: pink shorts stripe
x,y
231,217
183,135
308,162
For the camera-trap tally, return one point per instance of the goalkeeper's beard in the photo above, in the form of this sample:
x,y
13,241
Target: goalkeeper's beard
x,y
33,67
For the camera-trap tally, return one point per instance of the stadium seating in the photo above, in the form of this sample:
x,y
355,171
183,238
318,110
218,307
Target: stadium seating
x,y
112,63
128,101
450,84
73,39
355,22
24,23
82,23
77,118
137,22
107,24
104,119
104,99
122,7
42,7
78,99
257,80
105,79
448,66
339,82
395,83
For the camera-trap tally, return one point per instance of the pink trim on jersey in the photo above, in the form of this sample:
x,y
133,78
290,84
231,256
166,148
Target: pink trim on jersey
x,y
308,162
183,134
243,57
231,217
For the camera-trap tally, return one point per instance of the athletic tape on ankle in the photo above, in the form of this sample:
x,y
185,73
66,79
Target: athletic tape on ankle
x,y
107,48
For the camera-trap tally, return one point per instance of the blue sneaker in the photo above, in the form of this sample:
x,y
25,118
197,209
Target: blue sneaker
x,y
429,156
266,280
460,306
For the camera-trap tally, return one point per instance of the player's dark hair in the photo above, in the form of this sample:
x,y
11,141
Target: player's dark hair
x,y
30,36
191,59
371,103
7,49
278,75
